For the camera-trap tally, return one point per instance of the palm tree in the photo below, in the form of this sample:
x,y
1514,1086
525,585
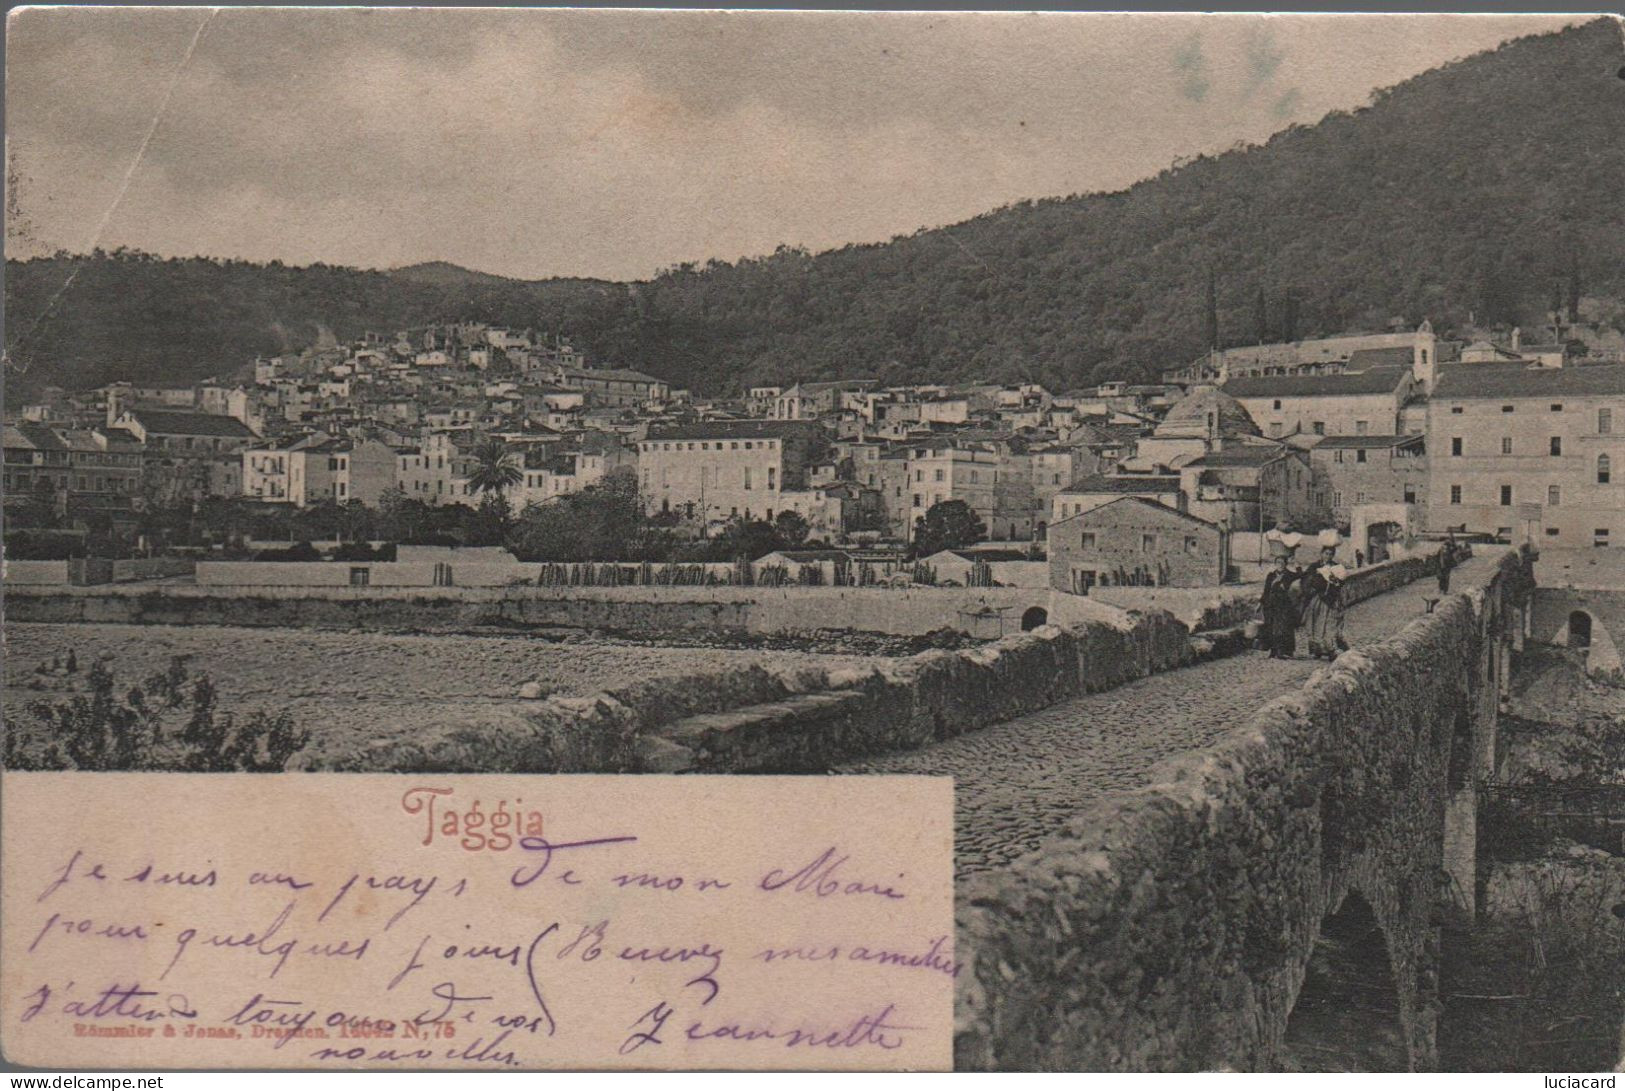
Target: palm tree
x,y
497,468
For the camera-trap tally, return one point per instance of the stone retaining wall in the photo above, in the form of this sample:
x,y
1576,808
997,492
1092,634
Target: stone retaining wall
x,y
153,568
21,573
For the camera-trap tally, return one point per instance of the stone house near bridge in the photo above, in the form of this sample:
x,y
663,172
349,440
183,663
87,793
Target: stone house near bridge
x,y
1138,542
1356,470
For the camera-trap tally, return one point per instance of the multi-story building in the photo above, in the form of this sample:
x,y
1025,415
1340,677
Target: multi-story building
x,y
1018,514
598,456
759,400
542,360
188,456
860,459
612,386
834,510
106,465
1355,470
299,472
993,481
444,417
944,470
37,464
1515,450
541,400
428,472
1253,488
713,471
361,470
1109,442
1318,356
892,480
506,340
121,397
239,402
1350,403
809,401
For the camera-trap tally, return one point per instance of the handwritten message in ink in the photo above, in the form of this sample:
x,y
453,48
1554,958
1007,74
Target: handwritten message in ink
x,y
483,922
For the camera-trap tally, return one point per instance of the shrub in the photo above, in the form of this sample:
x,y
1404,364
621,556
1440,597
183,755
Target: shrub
x,y
300,551
172,721
44,544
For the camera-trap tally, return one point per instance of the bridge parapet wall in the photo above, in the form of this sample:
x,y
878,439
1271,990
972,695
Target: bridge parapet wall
x,y
806,720
1174,927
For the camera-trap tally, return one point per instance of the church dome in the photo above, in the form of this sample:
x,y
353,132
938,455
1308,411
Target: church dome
x,y
1208,412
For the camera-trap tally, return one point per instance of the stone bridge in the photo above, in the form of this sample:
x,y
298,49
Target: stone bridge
x,y
1272,900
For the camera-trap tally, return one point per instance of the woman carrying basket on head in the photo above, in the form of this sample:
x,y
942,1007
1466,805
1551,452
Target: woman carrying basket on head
x,y
1280,611
1323,605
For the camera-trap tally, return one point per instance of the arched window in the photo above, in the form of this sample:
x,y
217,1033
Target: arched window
x,y
1603,468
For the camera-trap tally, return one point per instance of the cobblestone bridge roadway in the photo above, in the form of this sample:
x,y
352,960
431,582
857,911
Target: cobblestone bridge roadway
x,y
1018,781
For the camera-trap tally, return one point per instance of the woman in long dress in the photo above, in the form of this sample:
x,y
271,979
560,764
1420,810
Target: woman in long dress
x,y
1323,595
1280,612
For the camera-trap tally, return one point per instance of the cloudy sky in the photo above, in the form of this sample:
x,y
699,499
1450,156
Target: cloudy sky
x,y
604,143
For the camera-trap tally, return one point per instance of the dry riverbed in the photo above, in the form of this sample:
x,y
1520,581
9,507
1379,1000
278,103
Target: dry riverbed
x,y
340,684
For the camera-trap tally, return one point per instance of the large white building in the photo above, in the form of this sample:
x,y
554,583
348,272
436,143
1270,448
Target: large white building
x,y
714,471
289,473
430,472
1529,451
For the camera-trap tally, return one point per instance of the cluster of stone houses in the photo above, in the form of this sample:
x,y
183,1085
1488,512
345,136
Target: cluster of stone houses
x,y
1382,435
1127,483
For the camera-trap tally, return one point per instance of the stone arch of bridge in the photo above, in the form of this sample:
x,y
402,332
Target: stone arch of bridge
x,y
1579,629
1347,1014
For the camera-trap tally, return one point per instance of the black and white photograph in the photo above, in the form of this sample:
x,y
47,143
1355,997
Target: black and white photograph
x,y
1193,444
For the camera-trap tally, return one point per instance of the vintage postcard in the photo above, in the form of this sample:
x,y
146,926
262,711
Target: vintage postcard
x,y
595,539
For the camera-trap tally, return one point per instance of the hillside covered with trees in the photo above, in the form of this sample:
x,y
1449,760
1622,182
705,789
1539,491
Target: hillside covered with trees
x,y
1480,187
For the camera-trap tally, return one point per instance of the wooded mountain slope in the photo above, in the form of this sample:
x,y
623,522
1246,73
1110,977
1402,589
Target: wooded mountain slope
x,y
1478,186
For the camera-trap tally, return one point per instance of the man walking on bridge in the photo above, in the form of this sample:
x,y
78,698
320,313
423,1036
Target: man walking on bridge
x,y
1447,561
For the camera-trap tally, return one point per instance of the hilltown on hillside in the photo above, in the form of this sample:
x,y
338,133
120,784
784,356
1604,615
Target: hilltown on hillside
x,y
1387,438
